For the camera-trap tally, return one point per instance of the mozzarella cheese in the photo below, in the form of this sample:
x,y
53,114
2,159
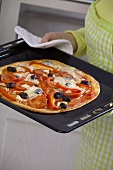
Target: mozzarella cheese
x,y
63,81
28,78
30,91
20,69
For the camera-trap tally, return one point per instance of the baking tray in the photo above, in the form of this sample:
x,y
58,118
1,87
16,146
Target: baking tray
x,y
64,122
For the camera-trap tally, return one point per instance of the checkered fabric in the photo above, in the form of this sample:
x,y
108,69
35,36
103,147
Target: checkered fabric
x,y
99,41
96,151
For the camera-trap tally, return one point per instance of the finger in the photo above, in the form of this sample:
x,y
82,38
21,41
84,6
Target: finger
x,y
47,37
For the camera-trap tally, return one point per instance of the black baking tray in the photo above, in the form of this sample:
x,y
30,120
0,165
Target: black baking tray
x,y
18,50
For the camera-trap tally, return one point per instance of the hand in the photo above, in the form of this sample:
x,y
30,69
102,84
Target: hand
x,y
60,35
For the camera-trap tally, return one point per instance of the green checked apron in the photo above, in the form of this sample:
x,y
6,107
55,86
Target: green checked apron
x,y
96,151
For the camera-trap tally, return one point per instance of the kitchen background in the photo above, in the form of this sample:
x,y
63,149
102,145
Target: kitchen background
x,y
24,143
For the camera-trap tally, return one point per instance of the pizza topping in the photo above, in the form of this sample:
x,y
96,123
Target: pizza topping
x,y
50,82
38,102
68,77
73,94
85,82
58,95
10,85
68,84
24,69
38,91
11,69
65,88
6,78
50,75
66,98
2,84
20,69
20,76
21,85
51,101
34,77
63,105
6,94
23,95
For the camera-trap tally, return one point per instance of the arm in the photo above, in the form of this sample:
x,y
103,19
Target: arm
x,y
79,36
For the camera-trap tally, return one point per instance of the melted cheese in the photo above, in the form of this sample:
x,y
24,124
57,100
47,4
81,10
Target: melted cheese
x,y
63,81
31,68
20,69
19,75
19,98
30,91
28,78
58,104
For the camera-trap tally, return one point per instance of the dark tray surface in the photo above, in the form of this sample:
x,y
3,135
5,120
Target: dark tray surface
x,y
62,122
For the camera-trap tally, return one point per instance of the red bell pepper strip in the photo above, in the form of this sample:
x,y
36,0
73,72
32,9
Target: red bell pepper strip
x,y
68,88
51,101
18,85
6,94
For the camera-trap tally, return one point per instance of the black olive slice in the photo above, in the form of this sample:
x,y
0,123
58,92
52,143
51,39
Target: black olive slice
x,y
85,82
38,91
23,95
66,98
68,84
10,85
50,75
11,69
58,95
63,105
33,77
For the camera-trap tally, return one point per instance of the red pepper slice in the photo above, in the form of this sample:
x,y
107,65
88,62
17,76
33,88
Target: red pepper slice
x,y
6,94
26,69
38,102
38,72
6,78
21,78
50,82
41,65
86,87
51,101
73,95
68,88
64,74
18,85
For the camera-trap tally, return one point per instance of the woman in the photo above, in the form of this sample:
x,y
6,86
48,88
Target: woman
x,y
96,41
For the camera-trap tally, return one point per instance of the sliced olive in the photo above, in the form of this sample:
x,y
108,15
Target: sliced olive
x,y
68,77
38,91
63,105
66,98
85,82
50,75
68,84
10,85
58,95
33,77
11,69
23,95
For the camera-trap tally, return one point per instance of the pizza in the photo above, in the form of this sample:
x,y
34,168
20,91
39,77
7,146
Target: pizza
x,y
47,86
